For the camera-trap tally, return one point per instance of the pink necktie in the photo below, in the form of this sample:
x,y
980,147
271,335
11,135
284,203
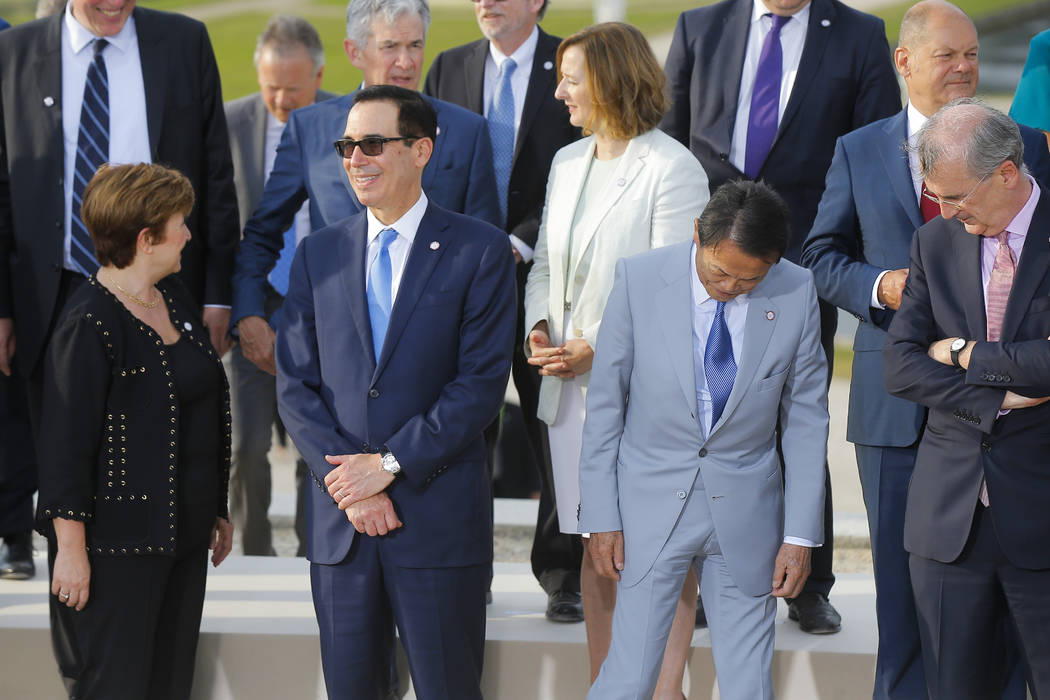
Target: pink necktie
x,y
996,296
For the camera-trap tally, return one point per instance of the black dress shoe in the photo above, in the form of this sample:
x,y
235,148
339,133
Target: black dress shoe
x,y
16,557
814,614
701,616
564,606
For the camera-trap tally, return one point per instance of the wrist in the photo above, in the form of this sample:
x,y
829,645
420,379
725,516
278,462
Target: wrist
x,y
388,462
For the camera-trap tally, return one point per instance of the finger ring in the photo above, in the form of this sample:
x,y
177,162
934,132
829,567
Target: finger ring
x,y
63,596
338,494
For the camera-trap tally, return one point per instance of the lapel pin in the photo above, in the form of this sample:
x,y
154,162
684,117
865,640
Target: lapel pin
x,y
770,315
434,245
438,130
621,182
49,101
547,65
825,22
188,326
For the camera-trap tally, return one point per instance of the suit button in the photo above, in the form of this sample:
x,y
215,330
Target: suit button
x,y
681,494
703,452
374,393
723,157
366,447
986,446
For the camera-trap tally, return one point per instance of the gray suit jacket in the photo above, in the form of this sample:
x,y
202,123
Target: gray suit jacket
x,y
641,457
246,120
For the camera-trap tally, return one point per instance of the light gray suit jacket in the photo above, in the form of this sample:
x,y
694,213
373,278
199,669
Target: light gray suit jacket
x,y
641,456
246,120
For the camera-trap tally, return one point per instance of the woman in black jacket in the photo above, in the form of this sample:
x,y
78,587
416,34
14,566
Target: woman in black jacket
x,y
135,445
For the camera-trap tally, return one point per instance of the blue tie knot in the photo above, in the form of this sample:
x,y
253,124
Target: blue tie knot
x,y
386,237
778,22
99,45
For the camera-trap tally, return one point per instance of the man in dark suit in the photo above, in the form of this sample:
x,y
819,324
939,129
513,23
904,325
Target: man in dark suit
x,y
393,355
159,68
858,250
289,61
385,41
969,342
470,76
748,105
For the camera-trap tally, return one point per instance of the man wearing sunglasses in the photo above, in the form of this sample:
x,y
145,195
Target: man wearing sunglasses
x,y
393,355
384,41
969,342
858,250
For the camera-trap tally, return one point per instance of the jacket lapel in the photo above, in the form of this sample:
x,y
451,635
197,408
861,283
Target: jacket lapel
x,y
821,24
966,261
422,259
354,244
48,73
564,199
154,59
1032,269
474,75
898,170
674,309
541,84
727,59
256,159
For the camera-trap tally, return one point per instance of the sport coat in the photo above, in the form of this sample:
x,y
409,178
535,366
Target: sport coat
x,y
865,224
845,80
439,380
656,192
458,76
965,440
246,118
641,457
458,177
187,131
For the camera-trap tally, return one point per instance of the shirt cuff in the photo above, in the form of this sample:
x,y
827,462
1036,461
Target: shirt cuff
x,y
519,245
875,303
218,306
801,542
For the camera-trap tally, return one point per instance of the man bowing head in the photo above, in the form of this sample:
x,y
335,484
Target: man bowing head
x,y
393,355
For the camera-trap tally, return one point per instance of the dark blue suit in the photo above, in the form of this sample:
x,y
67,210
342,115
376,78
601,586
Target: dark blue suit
x,y
439,380
458,177
865,224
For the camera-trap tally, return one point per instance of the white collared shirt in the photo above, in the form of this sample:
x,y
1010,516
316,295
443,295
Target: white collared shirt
x,y
127,97
274,129
704,308
406,228
792,41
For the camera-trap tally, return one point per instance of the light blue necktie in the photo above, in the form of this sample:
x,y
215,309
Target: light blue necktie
x,y
501,131
92,151
719,365
379,284
279,274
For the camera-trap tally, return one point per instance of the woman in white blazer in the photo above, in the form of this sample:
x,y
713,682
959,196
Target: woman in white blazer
x,y
624,189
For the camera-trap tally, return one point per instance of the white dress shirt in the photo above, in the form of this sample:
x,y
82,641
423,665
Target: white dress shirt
x,y
792,40
274,129
129,135
704,308
406,228
519,85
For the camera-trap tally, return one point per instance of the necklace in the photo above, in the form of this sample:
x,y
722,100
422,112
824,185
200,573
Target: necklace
x,y
140,302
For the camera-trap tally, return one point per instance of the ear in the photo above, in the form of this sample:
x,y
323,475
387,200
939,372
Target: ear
x,y
1010,174
319,77
353,52
142,241
422,149
902,60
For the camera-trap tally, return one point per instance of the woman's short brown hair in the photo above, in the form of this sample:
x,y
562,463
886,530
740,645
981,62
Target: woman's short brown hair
x,y
627,83
121,200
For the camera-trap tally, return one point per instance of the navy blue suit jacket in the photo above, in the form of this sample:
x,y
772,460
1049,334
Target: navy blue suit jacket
x,y
845,80
439,380
965,439
865,225
459,177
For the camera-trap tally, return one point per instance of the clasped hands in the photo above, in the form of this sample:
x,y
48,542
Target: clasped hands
x,y
571,358
941,352
357,484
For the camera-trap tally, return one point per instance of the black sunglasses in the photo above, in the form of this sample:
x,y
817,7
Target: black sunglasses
x,y
370,145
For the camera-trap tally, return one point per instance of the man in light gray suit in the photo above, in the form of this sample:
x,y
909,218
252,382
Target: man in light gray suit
x,y
717,344
289,60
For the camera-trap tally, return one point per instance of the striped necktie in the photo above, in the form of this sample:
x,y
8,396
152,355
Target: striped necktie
x,y
92,151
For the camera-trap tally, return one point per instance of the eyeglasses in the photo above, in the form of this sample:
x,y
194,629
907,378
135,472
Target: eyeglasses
x,y
949,203
370,145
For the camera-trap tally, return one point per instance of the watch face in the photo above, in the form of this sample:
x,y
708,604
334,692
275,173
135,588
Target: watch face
x,y
958,344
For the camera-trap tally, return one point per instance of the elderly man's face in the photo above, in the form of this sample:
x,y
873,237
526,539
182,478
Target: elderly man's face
x,y
287,81
979,201
726,271
784,8
511,20
393,54
103,17
389,183
943,65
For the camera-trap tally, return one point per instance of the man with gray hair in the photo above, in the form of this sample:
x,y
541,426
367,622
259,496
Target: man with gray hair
x,y
969,342
384,39
289,62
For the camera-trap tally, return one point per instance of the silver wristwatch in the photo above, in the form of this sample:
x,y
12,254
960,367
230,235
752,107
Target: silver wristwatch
x,y
390,462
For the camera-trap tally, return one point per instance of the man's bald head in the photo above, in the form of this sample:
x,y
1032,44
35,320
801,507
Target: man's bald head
x,y
914,25
937,55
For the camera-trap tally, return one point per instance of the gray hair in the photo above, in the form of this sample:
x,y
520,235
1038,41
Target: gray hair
x,y
284,34
968,129
46,8
360,14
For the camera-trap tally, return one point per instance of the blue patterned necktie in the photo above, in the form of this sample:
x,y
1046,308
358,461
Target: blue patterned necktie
x,y
765,101
501,131
282,269
380,280
92,151
719,365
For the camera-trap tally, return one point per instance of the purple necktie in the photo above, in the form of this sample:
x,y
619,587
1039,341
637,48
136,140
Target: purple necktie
x,y
765,100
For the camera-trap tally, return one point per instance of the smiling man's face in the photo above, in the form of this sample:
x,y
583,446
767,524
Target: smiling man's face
x,y
103,17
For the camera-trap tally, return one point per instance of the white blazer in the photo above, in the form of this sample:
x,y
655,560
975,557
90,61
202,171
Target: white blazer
x,y
656,192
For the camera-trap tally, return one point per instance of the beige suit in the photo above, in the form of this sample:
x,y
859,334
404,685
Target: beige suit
x,y
656,192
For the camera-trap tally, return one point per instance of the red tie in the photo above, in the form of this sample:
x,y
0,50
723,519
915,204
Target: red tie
x,y
928,208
